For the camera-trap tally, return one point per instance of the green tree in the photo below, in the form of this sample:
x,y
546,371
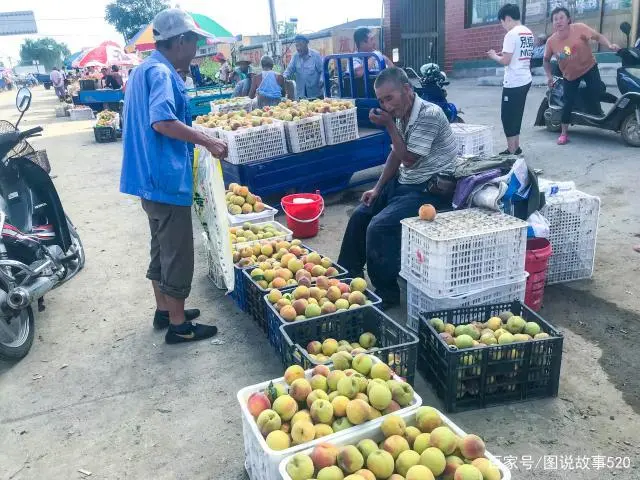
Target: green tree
x,y
129,16
45,50
287,29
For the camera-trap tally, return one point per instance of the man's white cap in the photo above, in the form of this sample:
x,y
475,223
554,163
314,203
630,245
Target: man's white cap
x,y
172,22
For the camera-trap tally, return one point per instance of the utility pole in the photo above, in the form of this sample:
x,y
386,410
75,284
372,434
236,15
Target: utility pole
x,y
274,49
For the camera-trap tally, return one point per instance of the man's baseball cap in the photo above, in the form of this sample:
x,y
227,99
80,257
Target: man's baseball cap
x,y
172,22
300,38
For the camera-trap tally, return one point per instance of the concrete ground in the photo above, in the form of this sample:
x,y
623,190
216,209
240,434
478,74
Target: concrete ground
x,y
101,392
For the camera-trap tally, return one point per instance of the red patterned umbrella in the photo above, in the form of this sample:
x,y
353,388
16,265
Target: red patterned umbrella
x,y
107,53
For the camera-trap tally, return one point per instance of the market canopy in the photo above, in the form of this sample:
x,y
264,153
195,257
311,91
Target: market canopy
x,y
107,53
68,62
143,40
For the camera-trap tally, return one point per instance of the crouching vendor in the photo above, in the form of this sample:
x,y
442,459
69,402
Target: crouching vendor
x,y
424,147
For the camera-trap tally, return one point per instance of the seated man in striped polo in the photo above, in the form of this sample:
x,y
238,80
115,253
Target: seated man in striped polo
x,y
423,147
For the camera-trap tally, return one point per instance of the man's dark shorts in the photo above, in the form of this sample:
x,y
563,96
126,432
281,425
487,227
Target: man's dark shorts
x,y
171,247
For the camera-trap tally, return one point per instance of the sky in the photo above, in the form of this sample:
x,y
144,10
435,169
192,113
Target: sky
x,y
80,23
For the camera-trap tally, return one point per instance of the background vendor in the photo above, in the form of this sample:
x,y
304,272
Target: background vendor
x,y
267,85
241,77
423,147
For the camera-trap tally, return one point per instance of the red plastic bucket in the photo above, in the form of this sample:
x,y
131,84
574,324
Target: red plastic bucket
x,y
537,261
303,212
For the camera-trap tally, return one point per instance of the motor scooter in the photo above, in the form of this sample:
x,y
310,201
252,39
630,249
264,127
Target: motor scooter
x,y
40,248
624,114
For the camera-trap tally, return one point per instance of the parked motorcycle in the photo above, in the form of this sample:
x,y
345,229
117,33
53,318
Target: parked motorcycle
x,y
624,114
40,248
429,85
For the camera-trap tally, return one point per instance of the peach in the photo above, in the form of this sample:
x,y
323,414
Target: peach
x,y
341,360
340,403
472,447
334,378
301,415
288,313
300,389
323,430
452,465
327,307
329,346
411,433
406,460
421,443
324,455
322,282
292,373
322,411
341,424
286,407
467,472
268,421
278,440
303,432
319,382
367,447
366,474
419,472
316,395
357,298
393,425
350,459
300,467
300,306
381,371
333,293
427,418
314,347
444,439
258,402
363,363
427,212
381,463
358,285
374,413
348,386
321,370
380,396
395,445
357,411
434,460
330,473
402,393
344,288
488,470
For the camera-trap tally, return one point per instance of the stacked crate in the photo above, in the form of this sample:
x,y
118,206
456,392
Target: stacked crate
x,y
463,258
573,225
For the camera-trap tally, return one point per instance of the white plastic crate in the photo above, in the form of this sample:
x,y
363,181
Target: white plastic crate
x,y
239,103
419,302
341,126
573,217
287,235
255,143
463,251
268,215
214,270
212,132
81,114
306,134
473,140
372,431
261,461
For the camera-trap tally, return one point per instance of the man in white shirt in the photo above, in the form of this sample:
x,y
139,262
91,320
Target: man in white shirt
x,y
517,50
365,41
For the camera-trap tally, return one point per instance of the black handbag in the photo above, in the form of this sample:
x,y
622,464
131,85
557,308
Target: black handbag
x,y
442,185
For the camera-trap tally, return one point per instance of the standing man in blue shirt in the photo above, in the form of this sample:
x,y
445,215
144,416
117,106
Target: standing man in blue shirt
x,y
157,166
306,65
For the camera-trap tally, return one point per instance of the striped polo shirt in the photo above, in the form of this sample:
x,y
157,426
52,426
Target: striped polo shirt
x,y
428,135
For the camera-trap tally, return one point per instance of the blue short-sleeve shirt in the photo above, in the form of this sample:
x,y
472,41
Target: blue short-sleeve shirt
x,y
155,167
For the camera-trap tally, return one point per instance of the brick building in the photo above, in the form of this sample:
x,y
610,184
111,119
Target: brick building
x,y
458,33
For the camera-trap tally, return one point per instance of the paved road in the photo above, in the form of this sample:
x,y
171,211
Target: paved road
x,y
101,392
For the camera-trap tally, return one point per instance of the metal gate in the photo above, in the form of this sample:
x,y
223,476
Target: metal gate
x,y
422,32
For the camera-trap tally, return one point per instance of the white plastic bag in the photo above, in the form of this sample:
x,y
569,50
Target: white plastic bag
x,y
539,226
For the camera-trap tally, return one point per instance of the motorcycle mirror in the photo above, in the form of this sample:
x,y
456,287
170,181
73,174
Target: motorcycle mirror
x,y
625,27
23,99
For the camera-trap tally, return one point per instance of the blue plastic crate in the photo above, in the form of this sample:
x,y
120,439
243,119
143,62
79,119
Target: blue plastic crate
x,y
274,321
327,169
254,296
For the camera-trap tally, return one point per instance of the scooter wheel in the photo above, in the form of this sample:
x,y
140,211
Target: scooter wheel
x,y
630,130
18,346
550,125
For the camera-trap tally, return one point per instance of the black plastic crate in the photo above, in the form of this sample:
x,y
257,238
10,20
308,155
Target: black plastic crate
x,y
239,291
254,296
396,346
88,84
104,134
492,375
275,321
